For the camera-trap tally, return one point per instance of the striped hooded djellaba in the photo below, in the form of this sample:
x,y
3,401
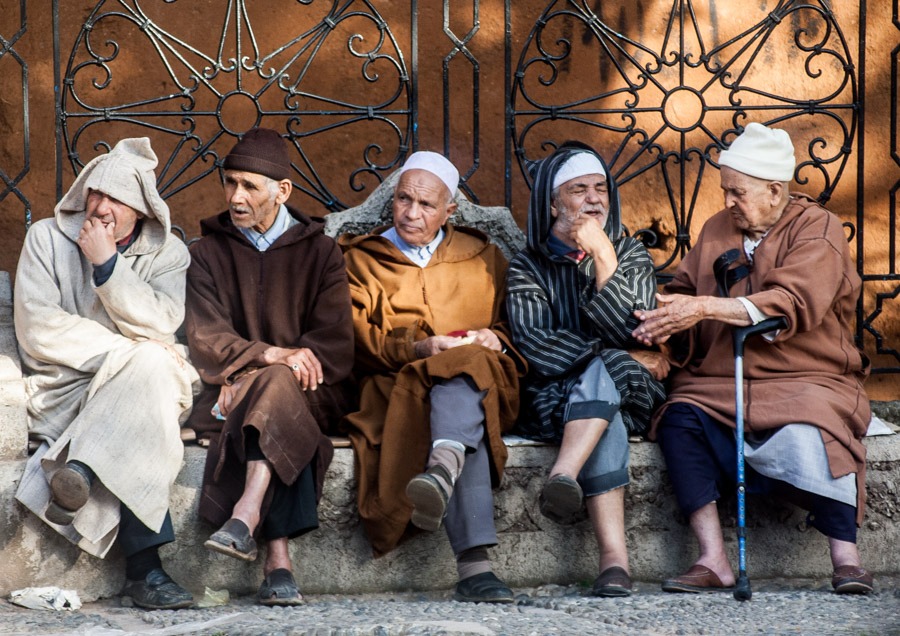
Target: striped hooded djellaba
x,y
560,322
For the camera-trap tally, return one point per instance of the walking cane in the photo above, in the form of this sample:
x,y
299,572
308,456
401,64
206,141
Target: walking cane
x,y
725,279
739,335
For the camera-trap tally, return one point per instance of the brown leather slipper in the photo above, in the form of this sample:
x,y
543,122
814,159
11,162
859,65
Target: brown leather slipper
x,y
851,579
697,579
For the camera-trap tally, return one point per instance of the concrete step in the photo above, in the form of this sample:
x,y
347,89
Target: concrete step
x,y
337,558
532,550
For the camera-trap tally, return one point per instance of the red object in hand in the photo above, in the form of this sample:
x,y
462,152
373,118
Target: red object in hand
x,y
459,333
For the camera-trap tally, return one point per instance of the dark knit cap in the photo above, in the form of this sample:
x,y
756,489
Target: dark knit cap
x,y
263,151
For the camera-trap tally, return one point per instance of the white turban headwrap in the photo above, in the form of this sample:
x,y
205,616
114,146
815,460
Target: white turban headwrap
x,y
761,152
436,164
578,165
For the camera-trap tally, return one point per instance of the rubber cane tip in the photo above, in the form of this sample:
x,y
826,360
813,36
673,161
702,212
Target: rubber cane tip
x,y
742,591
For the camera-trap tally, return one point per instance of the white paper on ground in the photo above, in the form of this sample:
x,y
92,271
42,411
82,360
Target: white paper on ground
x,y
51,598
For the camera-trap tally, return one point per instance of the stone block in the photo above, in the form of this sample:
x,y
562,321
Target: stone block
x,y
13,422
337,558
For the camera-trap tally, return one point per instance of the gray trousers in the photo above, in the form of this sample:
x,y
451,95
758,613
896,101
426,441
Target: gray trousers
x,y
595,396
457,414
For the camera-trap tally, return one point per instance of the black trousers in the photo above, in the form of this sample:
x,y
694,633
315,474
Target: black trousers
x,y
134,536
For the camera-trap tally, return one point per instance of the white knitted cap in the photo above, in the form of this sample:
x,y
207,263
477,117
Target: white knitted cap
x,y
761,152
578,165
436,164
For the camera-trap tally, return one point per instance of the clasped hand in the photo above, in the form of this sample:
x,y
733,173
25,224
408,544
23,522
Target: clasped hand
x,y
97,241
435,344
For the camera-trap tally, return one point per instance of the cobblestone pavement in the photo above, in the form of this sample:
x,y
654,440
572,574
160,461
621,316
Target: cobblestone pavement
x,y
777,607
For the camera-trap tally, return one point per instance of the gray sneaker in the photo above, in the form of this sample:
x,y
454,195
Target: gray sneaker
x,y
158,591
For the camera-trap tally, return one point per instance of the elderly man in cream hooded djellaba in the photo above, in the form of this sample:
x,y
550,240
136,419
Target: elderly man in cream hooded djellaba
x,y
806,411
99,294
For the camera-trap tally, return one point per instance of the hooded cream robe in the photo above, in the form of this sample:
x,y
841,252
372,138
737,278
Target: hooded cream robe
x,y
98,389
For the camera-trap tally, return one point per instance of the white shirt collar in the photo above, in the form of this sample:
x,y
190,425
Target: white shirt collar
x,y
263,241
420,255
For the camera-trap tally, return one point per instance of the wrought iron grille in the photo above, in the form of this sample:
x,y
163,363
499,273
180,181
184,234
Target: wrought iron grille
x,y
219,86
867,324
665,112
661,108
13,173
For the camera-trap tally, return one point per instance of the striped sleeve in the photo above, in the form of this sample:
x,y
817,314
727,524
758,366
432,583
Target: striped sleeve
x,y
632,287
538,323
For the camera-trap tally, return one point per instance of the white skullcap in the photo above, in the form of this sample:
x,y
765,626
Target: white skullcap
x,y
764,153
577,165
436,164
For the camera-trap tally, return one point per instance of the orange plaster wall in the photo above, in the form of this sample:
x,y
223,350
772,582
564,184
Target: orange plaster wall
x,y
336,74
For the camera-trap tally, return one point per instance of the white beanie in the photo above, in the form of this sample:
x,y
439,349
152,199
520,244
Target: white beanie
x,y
436,164
577,165
764,153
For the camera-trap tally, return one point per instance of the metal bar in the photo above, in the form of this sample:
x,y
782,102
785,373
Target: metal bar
x,y
861,175
414,61
57,97
507,109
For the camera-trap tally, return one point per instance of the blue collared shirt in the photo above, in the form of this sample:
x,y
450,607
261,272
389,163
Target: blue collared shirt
x,y
418,255
283,222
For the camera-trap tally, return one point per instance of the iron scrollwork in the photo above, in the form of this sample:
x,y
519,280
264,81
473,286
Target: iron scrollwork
x,y
663,111
231,78
867,323
11,176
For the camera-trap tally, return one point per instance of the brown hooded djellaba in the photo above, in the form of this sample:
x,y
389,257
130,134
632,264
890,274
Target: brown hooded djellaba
x,y
241,301
812,372
396,303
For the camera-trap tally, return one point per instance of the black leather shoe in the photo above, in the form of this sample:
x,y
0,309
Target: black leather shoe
x,y
483,588
158,591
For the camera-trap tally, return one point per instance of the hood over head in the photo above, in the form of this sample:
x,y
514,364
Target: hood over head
x,y
544,173
126,173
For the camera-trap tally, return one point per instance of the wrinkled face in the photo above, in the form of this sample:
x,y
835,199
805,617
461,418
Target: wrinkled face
x,y
588,195
754,203
421,206
253,199
108,210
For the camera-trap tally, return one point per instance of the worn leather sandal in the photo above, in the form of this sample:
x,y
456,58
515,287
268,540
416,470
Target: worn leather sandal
x,y
279,588
561,500
233,539
483,588
612,582
428,497
157,591
697,579
852,579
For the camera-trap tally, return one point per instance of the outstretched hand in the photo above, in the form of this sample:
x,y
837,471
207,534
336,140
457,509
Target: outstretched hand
x,y
675,312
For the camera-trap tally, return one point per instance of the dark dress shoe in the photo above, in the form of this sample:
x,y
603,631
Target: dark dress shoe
x,y
483,588
70,488
158,591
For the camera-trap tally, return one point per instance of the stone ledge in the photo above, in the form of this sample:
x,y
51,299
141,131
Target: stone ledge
x,y
532,550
